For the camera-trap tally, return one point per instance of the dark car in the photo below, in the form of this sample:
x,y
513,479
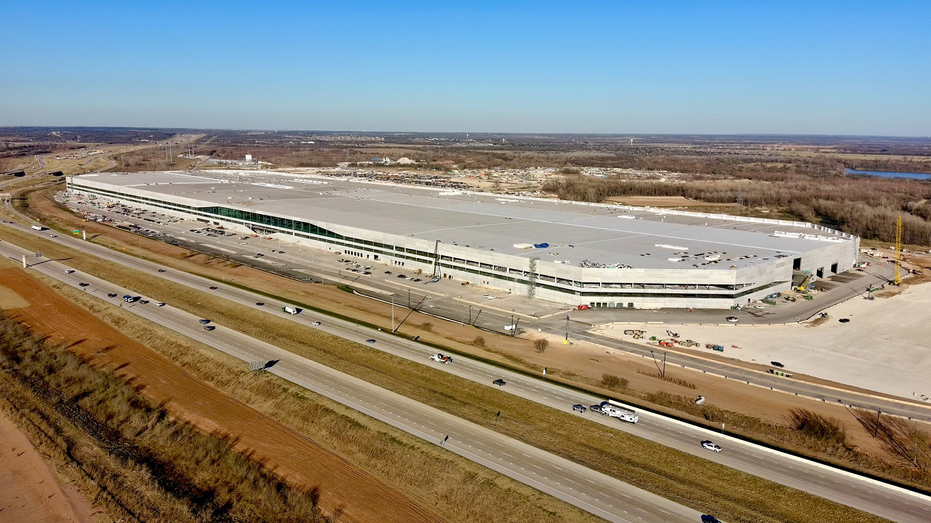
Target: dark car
x,y
595,408
204,321
213,288
161,270
776,364
705,518
82,284
578,408
260,303
370,341
499,382
143,301
111,295
209,327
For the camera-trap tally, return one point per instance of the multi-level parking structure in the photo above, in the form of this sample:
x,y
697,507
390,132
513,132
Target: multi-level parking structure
x,y
567,252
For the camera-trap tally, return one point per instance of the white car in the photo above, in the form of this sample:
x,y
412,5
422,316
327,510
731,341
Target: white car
x,y
159,304
490,297
732,319
711,446
69,271
442,359
760,307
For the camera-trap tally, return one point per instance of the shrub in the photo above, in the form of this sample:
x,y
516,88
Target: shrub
x,y
541,344
610,381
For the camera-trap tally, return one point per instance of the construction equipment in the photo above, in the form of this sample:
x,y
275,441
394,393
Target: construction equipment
x,y
804,286
898,252
634,332
672,334
667,343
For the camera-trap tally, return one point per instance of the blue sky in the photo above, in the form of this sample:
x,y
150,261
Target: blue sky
x,y
573,66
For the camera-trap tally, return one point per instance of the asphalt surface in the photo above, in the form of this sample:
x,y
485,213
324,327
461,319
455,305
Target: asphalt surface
x,y
875,497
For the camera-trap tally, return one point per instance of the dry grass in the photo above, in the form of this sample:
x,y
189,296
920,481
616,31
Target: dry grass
x,y
669,379
150,467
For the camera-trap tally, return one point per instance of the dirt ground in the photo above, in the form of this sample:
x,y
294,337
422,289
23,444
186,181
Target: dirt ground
x,y
577,362
883,346
298,460
29,489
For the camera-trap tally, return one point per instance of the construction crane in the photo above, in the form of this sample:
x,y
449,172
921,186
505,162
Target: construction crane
x,y
898,251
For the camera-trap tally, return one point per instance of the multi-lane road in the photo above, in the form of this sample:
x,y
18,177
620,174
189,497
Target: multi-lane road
x,y
890,502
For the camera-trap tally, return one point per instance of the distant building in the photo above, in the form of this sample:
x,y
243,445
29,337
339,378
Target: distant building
x,y
405,161
248,157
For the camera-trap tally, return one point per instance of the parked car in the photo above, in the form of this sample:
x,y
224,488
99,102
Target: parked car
x,y
499,382
711,446
732,319
578,408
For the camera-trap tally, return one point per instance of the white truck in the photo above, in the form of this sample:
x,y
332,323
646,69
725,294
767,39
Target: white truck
x,y
38,227
292,310
618,410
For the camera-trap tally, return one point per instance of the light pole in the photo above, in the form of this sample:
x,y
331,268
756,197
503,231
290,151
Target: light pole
x,y
567,328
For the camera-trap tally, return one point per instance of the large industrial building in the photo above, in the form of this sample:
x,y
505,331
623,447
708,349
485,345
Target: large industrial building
x,y
567,252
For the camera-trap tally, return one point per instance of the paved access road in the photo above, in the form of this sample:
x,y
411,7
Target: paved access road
x,y
591,491
878,498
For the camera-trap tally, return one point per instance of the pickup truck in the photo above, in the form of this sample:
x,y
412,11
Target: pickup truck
x,y
441,358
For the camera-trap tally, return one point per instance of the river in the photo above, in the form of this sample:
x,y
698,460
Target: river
x,y
890,174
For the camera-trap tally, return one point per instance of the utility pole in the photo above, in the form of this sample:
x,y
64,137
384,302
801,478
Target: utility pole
x,y
567,328
392,313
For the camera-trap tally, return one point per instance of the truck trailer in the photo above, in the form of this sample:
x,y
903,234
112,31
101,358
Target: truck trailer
x,y
618,410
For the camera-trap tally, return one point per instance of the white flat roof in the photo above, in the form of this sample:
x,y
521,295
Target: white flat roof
x,y
603,234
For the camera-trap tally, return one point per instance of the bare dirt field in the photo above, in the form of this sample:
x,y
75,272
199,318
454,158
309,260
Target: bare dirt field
x,y
29,489
663,201
300,461
884,346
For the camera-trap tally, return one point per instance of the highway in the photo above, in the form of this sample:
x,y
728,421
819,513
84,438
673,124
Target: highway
x,y
442,302
890,502
591,491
